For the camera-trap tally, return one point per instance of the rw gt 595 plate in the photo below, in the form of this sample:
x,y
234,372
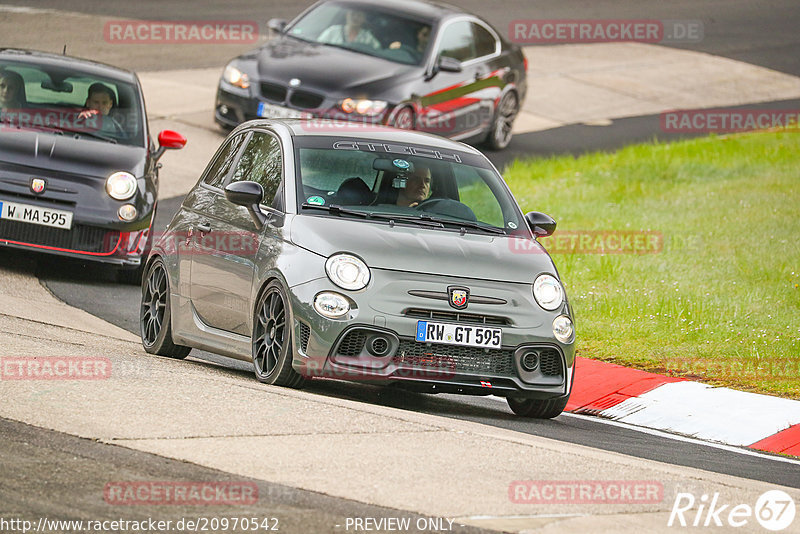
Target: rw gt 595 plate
x,y
454,334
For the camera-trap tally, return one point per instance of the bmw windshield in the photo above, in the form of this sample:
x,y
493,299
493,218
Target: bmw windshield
x,y
369,180
367,30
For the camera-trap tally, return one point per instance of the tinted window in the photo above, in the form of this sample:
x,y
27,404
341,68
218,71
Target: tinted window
x,y
457,42
484,41
262,163
218,169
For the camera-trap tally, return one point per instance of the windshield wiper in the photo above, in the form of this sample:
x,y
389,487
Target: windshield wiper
x,y
86,132
337,210
464,224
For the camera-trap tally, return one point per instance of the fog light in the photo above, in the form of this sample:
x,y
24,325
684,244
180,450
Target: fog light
x,y
331,305
223,109
562,328
530,360
127,212
378,346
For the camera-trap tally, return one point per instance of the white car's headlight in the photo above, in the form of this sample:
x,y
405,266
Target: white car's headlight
x,y
331,305
362,106
562,328
234,76
121,186
548,292
347,272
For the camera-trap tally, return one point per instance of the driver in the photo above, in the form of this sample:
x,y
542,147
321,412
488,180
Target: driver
x,y
351,32
417,189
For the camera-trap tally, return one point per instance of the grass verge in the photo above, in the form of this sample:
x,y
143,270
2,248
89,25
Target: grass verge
x,y
681,258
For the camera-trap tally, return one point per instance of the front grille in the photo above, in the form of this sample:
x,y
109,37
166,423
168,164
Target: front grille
x,y
549,362
80,238
458,359
306,100
305,334
273,92
352,344
456,317
40,199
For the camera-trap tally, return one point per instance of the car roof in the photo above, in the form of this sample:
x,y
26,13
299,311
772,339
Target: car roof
x,y
339,129
46,59
418,8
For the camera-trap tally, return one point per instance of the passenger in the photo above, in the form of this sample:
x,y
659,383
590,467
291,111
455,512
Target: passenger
x,y
352,31
417,189
12,90
423,36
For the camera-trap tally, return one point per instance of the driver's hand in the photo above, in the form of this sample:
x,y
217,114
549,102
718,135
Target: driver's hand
x,y
86,113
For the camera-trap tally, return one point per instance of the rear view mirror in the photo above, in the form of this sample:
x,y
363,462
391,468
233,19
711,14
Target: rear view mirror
x,y
250,195
169,140
449,64
541,224
58,87
277,25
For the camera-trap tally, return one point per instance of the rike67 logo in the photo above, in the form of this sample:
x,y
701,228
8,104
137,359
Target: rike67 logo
x,y
774,510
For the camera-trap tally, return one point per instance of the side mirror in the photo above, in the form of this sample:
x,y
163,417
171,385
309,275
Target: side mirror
x,y
277,25
249,195
449,64
169,140
541,224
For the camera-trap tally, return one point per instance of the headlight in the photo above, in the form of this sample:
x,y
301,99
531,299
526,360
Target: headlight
x,y
362,106
547,291
234,76
347,272
121,186
331,305
562,328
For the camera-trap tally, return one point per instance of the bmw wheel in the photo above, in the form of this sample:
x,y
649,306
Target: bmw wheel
x,y
272,340
500,134
154,314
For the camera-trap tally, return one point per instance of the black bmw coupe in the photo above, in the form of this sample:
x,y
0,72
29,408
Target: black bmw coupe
x,y
411,64
78,167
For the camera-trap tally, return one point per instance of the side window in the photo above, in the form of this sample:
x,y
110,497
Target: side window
x,y
457,42
261,162
485,43
218,169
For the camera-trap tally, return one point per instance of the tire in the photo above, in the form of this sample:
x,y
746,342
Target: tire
x,y
155,314
272,339
536,408
404,119
500,133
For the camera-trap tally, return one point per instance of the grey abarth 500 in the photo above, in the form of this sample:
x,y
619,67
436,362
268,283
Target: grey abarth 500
x,y
316,249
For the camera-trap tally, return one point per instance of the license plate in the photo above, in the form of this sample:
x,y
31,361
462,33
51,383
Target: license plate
x,y
277,112
36,215
454,334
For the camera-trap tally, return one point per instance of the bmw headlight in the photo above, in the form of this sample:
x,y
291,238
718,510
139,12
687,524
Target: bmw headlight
x,y
347,272
121,186
562,328
548,292
234,76
362,106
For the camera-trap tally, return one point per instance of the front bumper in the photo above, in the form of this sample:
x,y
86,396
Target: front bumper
x,y
386,315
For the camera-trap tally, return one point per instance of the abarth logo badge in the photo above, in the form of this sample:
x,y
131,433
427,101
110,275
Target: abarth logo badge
x,y
38,185
294,82
459,297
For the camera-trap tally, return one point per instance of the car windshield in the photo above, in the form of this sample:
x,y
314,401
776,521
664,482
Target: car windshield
x,y
370,180
66,101
365,29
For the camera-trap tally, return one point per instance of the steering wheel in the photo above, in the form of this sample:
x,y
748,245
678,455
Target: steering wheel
x,y
448,207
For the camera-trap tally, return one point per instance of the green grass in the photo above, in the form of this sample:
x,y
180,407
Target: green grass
x,y
720,302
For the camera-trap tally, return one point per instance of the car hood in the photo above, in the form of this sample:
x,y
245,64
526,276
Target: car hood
x,y
63,153
421,250
345,73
